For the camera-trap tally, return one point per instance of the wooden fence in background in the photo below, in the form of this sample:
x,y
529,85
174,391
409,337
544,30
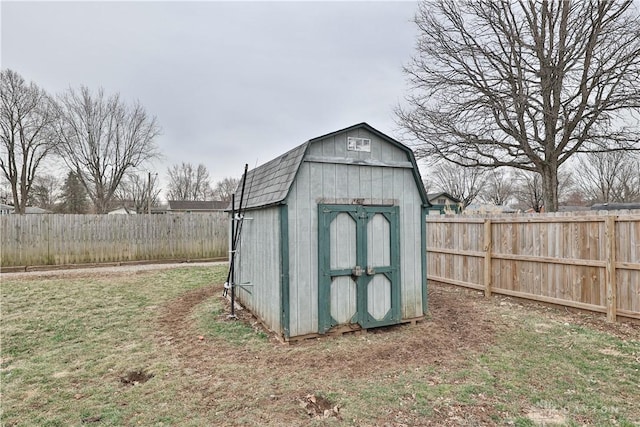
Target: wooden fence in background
x,y
77,239
589,261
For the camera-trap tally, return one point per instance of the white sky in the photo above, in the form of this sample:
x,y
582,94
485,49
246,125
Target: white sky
x,y
229,82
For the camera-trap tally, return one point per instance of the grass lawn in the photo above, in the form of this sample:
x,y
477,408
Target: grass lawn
x,y
156,348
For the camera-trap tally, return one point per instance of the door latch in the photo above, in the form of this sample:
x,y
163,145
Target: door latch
x,y
357,271
371,271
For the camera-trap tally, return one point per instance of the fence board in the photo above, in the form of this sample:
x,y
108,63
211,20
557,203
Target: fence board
x,y
589,261
77,239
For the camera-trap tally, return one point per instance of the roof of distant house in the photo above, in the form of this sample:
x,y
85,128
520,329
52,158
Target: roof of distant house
x,y
432,196
615,206
572,208
197,205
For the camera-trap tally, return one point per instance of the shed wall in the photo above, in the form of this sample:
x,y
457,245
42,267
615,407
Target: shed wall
x,y
320,182
258,262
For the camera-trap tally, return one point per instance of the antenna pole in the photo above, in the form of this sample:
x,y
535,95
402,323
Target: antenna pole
x,y
233,254
235,238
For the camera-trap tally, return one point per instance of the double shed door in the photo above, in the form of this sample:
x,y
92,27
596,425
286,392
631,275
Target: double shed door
x,y
359,266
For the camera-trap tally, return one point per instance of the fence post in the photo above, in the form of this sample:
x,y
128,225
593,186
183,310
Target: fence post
x,y
610,276
487,257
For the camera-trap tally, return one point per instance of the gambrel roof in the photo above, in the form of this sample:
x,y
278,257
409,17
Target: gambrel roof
x,y
269,184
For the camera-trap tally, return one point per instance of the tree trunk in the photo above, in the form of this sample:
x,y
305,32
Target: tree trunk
x,y
18,207
550,187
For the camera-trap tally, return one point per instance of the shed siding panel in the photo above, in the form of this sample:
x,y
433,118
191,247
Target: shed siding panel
x,y
258,262
410,246
303,267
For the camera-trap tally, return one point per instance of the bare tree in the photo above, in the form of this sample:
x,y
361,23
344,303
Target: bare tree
x,y
525,84
136,190
45,192
189,183
529,189
427,184
27,117
465,184
609,177
225,188
499,187
5,191
102,139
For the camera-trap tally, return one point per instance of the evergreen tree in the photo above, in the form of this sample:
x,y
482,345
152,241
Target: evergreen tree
x,y
74,195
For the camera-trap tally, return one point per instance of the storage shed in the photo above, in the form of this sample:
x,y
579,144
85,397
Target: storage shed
x,y
334,236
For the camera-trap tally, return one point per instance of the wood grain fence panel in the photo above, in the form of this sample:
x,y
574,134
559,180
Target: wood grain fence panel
x,y
587,260
77,239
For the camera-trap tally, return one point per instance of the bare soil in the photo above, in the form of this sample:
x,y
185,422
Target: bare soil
x,y
136,377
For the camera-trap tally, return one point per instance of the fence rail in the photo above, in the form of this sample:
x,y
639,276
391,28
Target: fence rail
x,y
589,261
78,239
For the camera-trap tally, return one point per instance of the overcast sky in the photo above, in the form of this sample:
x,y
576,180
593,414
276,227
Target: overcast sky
x,y
229,82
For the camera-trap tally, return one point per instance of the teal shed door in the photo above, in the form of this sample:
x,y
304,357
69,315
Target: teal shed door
x,y
359,271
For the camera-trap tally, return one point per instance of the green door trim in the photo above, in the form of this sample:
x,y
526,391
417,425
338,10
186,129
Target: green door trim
x,y
361,215
284,271
423,256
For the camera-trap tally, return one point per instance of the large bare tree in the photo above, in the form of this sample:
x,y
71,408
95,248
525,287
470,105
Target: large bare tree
x,y
523,83
27,117
102,139
187,182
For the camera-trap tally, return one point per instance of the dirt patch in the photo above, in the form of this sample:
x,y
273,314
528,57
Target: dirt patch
x,y
136,377
319,407
90,420
175,324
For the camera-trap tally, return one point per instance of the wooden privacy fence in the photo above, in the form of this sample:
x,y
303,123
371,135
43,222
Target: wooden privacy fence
x,y
77,239
589,261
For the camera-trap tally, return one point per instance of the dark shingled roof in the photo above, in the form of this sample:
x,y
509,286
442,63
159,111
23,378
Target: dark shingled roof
x,y
269,184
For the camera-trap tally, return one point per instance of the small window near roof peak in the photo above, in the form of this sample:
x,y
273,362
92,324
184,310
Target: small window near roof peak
x,y
359,144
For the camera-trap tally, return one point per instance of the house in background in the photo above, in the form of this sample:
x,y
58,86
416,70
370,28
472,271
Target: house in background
x,y
123,210
488,208
615,206
35,210
5,209
444,203
196,206
9,209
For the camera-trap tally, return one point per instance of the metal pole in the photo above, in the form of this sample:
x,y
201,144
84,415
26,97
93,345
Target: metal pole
x,y
233,255
149,194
